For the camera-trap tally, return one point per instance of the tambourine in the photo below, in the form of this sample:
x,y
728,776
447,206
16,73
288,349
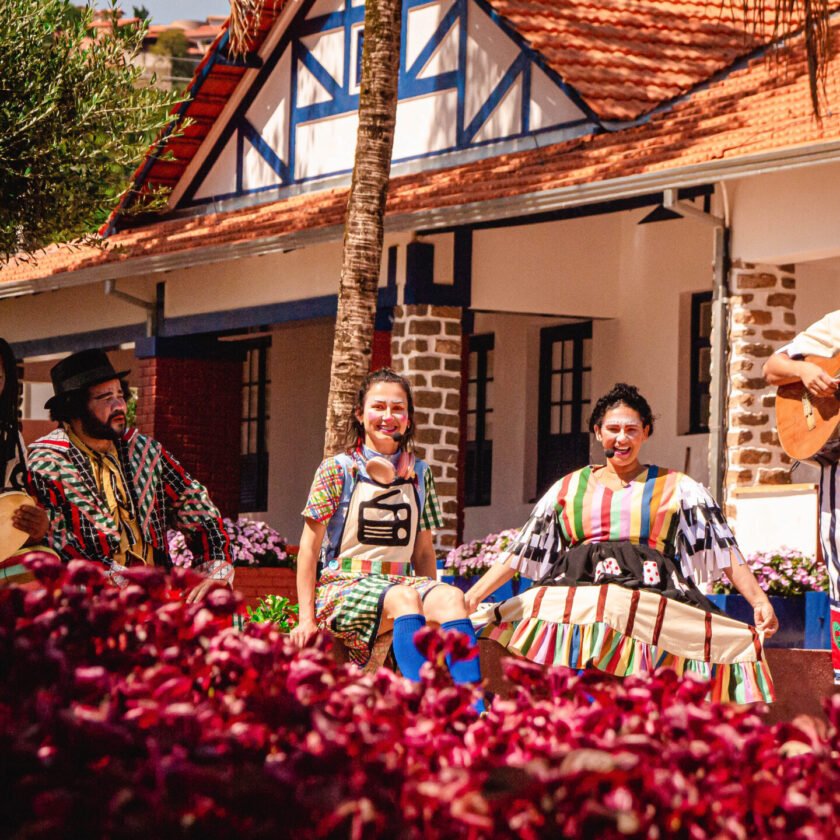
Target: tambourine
x,y
11,538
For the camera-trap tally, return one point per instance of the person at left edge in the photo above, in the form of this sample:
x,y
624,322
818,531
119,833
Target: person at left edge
x,y
26,517
111,492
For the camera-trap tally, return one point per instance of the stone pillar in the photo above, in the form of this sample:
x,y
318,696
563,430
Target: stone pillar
x,y
426,348
193,405
761,321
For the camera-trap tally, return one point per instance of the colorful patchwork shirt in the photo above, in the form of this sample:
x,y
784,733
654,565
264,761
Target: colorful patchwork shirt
x,y
162,495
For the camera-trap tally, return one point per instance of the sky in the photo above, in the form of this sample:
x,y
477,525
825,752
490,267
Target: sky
x,y
165,11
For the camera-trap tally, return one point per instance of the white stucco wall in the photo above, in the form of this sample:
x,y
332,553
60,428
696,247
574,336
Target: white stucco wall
x,y
559,268
255,281
68,311
817,290
787,217
300,372
587,268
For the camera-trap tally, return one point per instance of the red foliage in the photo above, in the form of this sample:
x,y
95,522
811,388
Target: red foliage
x,y
130,714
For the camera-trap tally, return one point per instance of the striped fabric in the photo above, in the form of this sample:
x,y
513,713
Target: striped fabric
x,y
624,629
623,632
663,509
375,567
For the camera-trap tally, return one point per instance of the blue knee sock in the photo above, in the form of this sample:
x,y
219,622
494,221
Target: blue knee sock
x,y
409,659
466,670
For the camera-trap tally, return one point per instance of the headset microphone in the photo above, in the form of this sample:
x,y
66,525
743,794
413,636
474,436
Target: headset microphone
x,y
610,453
397,437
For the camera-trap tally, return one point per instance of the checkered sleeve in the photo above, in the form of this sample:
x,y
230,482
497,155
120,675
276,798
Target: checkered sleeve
x,y
432,516
705,544
71,537
326,491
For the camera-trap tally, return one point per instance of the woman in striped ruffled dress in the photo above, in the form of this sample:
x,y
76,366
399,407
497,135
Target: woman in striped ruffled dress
x,y
617,552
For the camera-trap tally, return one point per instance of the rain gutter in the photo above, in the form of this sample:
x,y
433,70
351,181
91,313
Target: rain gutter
x,y
720,337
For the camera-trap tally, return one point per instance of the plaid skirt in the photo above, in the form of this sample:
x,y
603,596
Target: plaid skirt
x,y
349,600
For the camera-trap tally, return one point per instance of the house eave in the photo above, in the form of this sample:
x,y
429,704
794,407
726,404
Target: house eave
x,y
534,203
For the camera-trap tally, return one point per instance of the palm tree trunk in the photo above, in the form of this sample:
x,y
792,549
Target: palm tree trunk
x,y
364,228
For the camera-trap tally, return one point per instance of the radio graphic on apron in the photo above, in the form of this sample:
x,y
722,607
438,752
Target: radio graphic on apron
x,y
381,522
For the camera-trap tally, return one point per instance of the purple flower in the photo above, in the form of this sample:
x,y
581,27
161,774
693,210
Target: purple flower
x,y
252,543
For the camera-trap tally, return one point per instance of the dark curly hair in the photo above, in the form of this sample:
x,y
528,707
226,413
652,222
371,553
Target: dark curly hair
x,y
622,394
73,404
8,405
356,430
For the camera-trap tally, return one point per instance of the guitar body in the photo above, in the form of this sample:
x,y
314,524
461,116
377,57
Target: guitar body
x,y
806,423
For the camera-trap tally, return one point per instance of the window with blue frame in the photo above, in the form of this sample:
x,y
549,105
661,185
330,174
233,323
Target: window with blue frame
x,y
701,362
479,449
360,46
256,394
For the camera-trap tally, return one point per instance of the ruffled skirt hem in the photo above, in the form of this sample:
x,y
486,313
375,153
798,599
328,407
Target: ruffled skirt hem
x,y
630,632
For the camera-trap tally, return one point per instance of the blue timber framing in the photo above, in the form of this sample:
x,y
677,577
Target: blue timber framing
x,y
343,96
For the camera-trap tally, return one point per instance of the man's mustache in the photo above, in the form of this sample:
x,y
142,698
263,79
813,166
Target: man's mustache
x,y
117,415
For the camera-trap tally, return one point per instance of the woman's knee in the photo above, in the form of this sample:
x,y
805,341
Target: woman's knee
x,y
445,603
402,600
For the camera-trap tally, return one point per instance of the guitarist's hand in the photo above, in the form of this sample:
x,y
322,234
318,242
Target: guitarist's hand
x,y
817,382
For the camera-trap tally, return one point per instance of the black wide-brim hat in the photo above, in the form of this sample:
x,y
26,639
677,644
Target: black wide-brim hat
x,y
81,370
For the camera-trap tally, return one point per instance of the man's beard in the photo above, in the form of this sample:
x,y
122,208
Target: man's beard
x,y
102,431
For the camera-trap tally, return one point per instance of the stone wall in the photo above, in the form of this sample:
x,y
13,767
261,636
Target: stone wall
x,y
426,348
761,320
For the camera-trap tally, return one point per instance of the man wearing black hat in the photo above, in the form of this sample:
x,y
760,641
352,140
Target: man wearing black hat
x,y
111,492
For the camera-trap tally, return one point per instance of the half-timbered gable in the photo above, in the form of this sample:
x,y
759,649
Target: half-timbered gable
x,y
468,84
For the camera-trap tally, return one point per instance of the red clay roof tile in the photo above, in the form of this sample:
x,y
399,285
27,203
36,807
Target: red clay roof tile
x,y
752,110
624,57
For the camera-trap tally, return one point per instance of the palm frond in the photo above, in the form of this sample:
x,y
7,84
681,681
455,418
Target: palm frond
x,y
811,18
244,20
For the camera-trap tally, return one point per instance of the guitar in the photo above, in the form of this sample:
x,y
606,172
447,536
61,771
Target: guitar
x,y
806,423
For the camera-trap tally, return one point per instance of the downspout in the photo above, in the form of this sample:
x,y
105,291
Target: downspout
x,y
150,308
720,336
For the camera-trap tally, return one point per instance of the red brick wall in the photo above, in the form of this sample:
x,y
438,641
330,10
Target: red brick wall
x,y
193,407
253,584
381,352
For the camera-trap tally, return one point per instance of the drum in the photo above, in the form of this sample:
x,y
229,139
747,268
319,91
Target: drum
x,y
11,538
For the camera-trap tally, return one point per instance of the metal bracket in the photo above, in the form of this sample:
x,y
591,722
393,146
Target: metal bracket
x,y
151,308
672,202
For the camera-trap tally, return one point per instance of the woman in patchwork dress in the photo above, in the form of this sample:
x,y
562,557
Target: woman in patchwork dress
x,y
617,551
369,518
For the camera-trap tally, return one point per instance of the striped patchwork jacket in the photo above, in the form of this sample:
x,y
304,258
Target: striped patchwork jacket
x,y
162,492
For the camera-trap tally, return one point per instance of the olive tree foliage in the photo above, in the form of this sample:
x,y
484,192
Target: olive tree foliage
x,y
75,120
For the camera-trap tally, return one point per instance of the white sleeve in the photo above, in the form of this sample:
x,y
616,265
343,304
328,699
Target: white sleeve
x,y
822,338
540,540
705,543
